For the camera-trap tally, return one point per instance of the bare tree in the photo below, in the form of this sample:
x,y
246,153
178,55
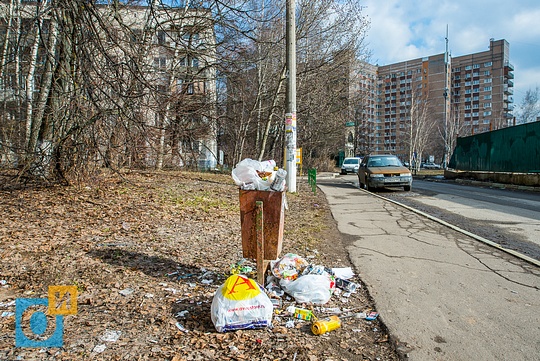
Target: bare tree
x,y
530,107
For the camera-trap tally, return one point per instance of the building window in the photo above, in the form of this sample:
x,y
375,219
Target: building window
x,y
487,105
160,62
487,80
487,89
476,66
487,113
468,67
487,97
487,72
488,63
476,82
161,37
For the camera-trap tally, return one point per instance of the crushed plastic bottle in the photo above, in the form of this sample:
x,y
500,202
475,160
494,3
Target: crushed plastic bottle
x,y
278,184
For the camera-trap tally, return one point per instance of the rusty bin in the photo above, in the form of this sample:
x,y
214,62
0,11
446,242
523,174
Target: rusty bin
x,y
273,224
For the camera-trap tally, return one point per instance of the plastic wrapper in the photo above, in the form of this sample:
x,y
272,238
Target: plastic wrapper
x,y
240,303
289,267
310,288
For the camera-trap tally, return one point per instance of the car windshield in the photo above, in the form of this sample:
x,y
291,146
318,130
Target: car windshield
x,y
350,161
384,162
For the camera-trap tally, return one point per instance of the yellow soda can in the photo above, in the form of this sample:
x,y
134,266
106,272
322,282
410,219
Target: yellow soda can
x,y
325,325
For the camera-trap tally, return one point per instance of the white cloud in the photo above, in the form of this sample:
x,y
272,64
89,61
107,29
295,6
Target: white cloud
x,y
402,30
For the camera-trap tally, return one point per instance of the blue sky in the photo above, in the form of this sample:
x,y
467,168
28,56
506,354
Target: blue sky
x,y
408,29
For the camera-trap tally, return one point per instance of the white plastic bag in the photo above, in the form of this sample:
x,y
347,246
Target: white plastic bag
x,y
310,288
240,303
245,175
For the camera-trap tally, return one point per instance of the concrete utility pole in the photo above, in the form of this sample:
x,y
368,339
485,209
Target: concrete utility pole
x,y
446,106
290,113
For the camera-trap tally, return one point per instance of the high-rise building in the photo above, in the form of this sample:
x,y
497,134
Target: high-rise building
x,y
423,104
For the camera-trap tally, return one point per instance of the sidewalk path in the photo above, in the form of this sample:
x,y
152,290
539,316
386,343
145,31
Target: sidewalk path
x,y
442,294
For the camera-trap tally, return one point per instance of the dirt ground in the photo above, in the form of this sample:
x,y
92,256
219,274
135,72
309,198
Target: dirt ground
x,y
147,252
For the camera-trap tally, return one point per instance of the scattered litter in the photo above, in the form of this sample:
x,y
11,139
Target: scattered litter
x,y
289,324
173,290
126,292
289,267
182,314
181,328
346,285
110,336
344,273
3,282
356,330
7,304
360,315
372,316
8,314
99,348
240,303
326,325
273,288
148,295
310,288
334,310
233,348
207,282
240,268
303,314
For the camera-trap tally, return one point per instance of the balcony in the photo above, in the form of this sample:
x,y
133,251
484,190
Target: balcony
x,y
508,90
509,66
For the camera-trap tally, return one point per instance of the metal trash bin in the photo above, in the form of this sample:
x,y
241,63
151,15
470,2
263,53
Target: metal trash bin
x,y
273,224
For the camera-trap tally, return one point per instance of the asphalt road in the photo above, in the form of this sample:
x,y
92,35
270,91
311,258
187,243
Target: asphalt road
x,y
442,294
507,217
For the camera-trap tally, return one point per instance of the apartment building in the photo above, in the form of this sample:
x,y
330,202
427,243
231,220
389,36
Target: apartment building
x,y
455,96
151,66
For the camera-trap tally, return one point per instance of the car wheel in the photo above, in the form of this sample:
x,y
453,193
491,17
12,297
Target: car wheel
x,y
370,188
407,188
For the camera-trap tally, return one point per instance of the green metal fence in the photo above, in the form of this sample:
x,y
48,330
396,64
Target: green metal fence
x,y
514,149
312,179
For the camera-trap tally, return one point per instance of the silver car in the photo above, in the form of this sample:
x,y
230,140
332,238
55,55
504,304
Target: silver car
x,y
350,165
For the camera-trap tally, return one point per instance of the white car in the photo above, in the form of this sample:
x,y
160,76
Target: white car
x,y
350,165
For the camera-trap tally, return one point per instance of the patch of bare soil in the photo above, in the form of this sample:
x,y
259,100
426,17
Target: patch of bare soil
x,y
147,252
